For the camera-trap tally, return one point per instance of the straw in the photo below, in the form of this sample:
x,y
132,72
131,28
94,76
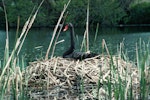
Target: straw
x,y
66,75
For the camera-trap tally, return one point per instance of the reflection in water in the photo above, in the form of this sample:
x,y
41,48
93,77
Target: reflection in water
x,y
37,40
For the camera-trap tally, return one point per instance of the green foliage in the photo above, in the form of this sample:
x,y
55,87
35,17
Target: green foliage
x,y
142,51
56,11
16,8
140,14
77,12
2,18
105,12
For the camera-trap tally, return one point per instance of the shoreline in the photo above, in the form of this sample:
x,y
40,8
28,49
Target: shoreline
x,y
53,26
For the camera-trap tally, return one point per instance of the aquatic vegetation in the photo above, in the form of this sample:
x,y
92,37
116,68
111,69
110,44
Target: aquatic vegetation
x,y
104,77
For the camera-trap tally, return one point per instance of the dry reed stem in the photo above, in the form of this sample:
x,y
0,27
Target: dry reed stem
x,y
6,20
87,29
27,27
86,33
55,43
83,41
104,45
55,29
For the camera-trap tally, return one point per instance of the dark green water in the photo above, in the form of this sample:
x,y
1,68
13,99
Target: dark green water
x,y
37,40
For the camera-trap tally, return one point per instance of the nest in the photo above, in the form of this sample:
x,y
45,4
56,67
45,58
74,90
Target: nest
x,y
59,78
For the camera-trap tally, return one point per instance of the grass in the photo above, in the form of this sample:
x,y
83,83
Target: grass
x,y
107,78
143,62
122,89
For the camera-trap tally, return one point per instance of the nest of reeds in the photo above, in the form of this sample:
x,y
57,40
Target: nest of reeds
x,y
59,78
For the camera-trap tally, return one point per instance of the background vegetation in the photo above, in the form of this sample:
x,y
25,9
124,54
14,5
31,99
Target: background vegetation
x,y
140,14
105,12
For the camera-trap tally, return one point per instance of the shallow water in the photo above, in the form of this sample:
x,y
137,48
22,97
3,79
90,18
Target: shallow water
x,y
38,39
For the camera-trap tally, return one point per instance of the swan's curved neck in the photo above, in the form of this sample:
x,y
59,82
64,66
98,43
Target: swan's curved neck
x,y
72,37
72,44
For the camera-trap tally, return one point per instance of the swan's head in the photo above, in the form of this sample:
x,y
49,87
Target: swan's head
x,y
67,26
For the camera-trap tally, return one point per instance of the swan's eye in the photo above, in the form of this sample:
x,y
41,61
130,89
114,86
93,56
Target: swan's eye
x,y
66,28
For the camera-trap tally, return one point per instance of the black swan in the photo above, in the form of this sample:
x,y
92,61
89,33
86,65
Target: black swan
x,y
70,53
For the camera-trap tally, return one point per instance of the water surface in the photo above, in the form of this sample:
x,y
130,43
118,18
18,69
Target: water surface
x,y
38,39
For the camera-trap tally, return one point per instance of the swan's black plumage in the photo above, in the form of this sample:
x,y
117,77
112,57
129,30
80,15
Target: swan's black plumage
x,y
70,53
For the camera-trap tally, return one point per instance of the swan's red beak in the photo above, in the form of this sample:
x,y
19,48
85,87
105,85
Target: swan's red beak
x,y
66,28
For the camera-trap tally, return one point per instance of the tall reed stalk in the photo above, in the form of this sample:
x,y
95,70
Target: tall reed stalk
x,y
55,43
87,28
6,53
55,29
85,41
143,61
97,27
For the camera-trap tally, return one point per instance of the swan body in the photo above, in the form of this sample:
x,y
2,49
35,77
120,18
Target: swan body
x,y
70,53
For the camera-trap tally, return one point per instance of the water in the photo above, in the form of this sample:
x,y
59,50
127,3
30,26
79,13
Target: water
x,y
38,39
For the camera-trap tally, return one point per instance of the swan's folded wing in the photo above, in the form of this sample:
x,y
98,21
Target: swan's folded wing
x,y
82,55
